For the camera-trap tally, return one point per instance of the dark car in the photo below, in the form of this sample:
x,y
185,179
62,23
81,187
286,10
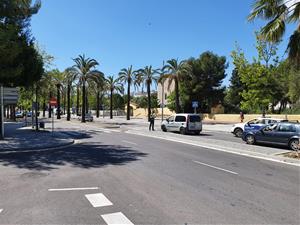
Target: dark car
x,y
284,133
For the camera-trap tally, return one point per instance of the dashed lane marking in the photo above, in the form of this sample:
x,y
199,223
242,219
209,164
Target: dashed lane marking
x,y
1,210
116,218
73,189
98,200
215,167
129,142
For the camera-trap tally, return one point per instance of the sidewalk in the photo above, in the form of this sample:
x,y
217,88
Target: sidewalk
x,y
20,138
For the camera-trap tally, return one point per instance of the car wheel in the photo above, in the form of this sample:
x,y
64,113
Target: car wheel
x,y
294,144
238,132
182,130
250,139
163,128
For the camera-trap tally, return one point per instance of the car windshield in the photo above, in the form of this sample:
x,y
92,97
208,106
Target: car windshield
x,y
255,121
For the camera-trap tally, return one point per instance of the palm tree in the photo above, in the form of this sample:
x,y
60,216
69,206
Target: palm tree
x,y
84,70
148,76
175,72
279,13
128,76
113,85
162,78
100,83
70,76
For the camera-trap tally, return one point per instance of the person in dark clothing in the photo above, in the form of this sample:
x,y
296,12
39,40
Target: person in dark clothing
x,y
152,119
242,116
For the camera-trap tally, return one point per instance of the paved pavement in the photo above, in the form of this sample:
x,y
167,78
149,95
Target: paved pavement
x,y
114,176
18,137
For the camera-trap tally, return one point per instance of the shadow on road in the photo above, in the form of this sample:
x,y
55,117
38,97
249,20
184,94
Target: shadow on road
x,y
92,155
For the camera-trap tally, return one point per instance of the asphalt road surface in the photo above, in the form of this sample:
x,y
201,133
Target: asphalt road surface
x,y
110,178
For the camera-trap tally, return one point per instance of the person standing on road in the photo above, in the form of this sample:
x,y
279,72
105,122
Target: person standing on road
x,y
152,119
242,116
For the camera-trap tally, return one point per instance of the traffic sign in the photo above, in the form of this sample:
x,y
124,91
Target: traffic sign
x,y
195,104
53,102
10,96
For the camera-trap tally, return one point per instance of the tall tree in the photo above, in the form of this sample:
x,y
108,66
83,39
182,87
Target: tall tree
x,y
69,77
279,13
149,77
99,80
21,65
128,76
176,72
84,70
113,85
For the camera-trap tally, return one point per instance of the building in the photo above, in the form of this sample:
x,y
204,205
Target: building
x,y
163,91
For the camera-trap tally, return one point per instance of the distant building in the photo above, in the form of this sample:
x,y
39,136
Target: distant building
x,y
163,92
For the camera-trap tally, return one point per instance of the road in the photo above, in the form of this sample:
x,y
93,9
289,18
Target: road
x,y
117,177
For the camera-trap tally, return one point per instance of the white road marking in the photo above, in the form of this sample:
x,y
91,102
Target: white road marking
x,y
129,142
116,219
1,210
219,149
215,167
73,189
98,200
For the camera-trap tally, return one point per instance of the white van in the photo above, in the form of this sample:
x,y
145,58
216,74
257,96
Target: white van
x,y
183,123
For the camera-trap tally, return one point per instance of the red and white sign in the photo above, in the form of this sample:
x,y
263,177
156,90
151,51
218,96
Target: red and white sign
x,y
53,102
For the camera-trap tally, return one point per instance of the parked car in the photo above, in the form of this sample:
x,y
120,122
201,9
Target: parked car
x,y
88,117
255,124
19,115
183,123
282,133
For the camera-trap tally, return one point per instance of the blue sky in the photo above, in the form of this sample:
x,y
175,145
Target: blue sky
x,y
120,33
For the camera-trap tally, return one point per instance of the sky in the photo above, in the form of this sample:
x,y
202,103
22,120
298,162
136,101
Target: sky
x,y
120,33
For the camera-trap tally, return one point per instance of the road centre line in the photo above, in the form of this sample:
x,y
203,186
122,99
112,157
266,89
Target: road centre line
x,y
98,200
218,149
73,189
129,142
215,167
116,218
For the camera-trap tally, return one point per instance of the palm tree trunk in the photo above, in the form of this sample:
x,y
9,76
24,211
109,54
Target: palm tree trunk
x,y
177,96
128,101
58,101
149,100
65,103
83,103
49,108
87,102
111,103
98,103
68,102
77,101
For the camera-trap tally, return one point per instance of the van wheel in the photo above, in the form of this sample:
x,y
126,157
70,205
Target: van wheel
x,y
163,128
182,130
250,139
294,145
238,132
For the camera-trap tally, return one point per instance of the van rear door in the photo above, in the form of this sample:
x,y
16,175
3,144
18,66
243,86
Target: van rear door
x,y
194,122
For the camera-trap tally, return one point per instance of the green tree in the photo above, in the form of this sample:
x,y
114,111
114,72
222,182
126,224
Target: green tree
x,y
279,13
176,71
99,79
149,77
233,96
21,65
113,85
84,70
128,76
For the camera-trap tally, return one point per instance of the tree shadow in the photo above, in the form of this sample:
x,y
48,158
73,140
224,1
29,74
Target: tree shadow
x,y
90,155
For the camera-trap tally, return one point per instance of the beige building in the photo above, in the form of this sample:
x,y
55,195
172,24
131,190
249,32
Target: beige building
x,y
163,91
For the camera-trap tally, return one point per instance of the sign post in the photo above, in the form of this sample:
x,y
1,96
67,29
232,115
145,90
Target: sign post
x,y
53,103
195,105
